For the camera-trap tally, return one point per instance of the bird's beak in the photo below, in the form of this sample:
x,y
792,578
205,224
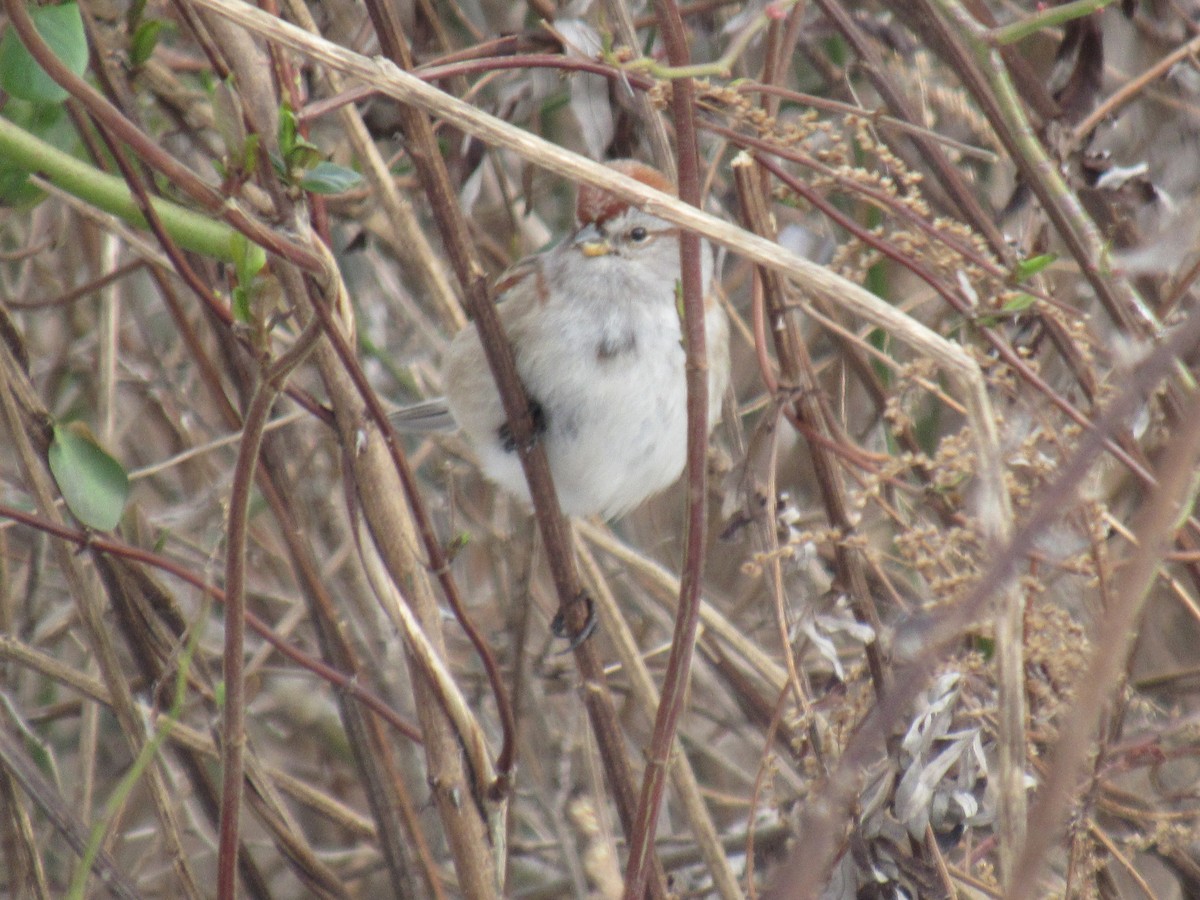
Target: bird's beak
x,y
592,242
592,249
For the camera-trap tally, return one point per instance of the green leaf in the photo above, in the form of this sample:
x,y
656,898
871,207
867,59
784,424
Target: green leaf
x,y
239,297
554,102
93,484
248,260
250,153
837,51
985,645
248,257
329,178
296,150
457,544
880,341
1014,306
1018,304
61,27
287,129
304,154
144,40
651,37
1027,268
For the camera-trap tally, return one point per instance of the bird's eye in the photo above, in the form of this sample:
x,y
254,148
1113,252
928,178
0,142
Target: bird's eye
x,y
638,234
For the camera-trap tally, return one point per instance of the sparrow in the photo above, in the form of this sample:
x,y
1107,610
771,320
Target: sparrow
x,y
595,328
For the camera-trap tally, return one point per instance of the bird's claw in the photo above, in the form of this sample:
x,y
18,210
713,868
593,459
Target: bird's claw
x,y
561,629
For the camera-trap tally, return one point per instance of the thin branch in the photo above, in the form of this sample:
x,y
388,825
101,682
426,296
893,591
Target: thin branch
x,y
683,641
100,544
233,725
1129,90
823,823
15,760
1159,517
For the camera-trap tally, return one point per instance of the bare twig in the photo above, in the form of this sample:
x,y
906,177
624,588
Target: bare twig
x,y
234,737
14,760
1133,87
85,592
1161,514
824,820
683,777
687,616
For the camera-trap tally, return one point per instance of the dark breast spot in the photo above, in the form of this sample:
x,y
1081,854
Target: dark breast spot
x,y
540,424
612,346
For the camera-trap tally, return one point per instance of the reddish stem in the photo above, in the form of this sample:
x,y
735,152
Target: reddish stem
x,y
687,618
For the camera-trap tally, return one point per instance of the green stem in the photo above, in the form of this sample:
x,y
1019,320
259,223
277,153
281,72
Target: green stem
x,y
718,68
1050,18
150,749
191,230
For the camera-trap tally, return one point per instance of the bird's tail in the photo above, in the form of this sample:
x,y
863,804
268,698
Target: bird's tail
x,y
424,417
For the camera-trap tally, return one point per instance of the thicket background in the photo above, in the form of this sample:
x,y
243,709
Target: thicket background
x,y
949,640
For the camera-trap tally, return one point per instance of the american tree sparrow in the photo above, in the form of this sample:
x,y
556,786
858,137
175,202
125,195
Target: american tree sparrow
x,y
595,328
